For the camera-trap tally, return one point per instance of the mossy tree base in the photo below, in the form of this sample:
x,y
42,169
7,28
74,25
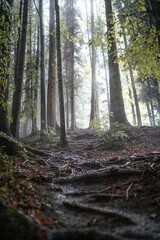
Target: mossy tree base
x,y
10,145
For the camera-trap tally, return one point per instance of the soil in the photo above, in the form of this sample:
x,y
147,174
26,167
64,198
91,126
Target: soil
x,y
88,190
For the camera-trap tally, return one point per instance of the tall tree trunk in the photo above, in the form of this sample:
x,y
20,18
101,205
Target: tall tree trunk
x,y
88,30
132,105
5,24
151,103
106,78
156,86
16,107
149,113
35,92
69,54
116,99
67,93
139,121
42,68
63,138
94,110
72,95
51,98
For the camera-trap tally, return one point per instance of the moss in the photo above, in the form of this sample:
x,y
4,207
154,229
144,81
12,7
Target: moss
x,y
13,225
11,146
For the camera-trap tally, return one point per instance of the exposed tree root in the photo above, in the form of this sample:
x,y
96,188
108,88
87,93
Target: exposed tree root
x,y
100,175
84,234
107,212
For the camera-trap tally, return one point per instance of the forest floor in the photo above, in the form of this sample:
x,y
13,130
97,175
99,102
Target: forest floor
x,y
87,191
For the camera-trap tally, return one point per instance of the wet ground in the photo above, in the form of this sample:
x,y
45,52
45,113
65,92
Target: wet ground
x,y
97,193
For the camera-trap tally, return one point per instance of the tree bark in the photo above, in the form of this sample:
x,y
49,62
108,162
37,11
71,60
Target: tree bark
x,y
17,96
63,138
51,98
116,100
94,110
42,68
5,25
72,95
139,121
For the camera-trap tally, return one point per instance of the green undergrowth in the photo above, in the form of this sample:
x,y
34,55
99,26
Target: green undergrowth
x,y
116,136
48,134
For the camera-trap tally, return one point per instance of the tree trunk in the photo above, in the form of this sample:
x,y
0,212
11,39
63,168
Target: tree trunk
x,y
42,68
94,110
132,105
63,138
51,98
139,121
116,100
5,25
17,96
156,86
67,93
72,95
152,116
36,83
106,78
149,113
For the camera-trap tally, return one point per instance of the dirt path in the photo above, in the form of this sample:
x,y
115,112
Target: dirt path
x,y
99,194
84,191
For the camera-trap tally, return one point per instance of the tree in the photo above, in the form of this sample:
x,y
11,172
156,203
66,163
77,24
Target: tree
x,y
42,68
155,8
116,100
69,56
94,110
63,138
51,98
5,27
142,53
19,69
138,114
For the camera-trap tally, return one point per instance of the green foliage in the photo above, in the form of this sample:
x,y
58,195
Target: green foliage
x,y
48,134
5,24
96,125
142,50
5,162
116,136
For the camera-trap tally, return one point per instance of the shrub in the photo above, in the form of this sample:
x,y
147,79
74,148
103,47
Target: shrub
x,y
48,134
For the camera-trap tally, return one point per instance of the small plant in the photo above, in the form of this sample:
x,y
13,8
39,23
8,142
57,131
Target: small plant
x,y
96,125
6,163
48,134
117,135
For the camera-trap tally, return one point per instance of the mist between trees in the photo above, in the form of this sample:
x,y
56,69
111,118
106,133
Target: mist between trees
x,y
70,63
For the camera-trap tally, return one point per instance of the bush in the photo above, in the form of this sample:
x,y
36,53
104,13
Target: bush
x,y
118,135
96,125
48,134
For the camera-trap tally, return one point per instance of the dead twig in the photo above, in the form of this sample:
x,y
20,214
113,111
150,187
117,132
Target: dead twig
x,y
127,190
